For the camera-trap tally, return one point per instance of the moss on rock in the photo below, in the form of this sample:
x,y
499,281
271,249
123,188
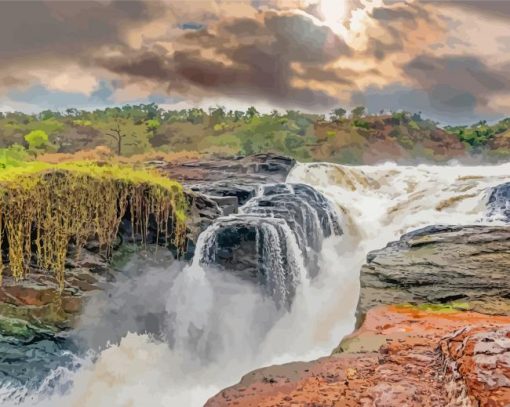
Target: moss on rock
x,y
44,207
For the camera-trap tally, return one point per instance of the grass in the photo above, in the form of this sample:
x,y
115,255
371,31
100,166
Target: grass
x,y
44,207
455,306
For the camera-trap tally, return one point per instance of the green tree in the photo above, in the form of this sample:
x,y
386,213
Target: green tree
x,y
251,112
152,126
217,115
358,112
337,114
38,141
125,133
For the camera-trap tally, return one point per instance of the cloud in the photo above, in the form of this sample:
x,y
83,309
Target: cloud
x,y
458,84
63,28
435,56
240,57
499,9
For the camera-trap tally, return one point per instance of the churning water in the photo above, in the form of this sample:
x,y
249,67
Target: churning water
x,y
179,333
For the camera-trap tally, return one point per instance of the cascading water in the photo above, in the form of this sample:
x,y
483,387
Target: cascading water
x,y
274,241
217,325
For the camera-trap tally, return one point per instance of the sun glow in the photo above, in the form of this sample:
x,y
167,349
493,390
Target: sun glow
x,y
333,12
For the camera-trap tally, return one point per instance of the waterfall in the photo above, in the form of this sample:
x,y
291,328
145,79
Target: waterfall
x,y
274,240
275,283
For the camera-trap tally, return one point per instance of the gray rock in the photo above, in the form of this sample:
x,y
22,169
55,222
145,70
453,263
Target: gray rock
x,y
439,265
498,204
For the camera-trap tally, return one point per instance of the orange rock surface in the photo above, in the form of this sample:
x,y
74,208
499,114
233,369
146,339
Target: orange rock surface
x,y
401,356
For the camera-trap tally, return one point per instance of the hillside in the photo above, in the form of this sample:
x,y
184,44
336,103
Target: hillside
x,y
353,138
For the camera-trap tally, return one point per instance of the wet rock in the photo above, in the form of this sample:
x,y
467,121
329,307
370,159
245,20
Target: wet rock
x,y
498,204
203,210
275,240
35,304
238,193
441,264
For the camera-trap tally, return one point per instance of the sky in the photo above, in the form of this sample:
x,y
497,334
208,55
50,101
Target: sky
x,y
449,60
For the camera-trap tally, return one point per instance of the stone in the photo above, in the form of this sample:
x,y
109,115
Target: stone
x,y
403,367
465,265
498,204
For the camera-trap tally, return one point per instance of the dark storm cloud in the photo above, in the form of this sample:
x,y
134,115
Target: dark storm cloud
x,y
485,8
62,28
242,57
458,83
261,51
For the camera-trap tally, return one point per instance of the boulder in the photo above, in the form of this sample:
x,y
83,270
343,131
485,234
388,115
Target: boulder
x,y
498,204
467,265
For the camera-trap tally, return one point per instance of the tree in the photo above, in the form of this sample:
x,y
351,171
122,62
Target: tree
x,y
217,115
38,141
251,112
238,115
152,126
337,114
195,115
358,112
117,134
124,132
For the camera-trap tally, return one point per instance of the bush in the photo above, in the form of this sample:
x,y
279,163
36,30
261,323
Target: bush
x,y
13,156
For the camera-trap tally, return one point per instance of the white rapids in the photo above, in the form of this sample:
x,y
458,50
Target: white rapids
x,y
377,204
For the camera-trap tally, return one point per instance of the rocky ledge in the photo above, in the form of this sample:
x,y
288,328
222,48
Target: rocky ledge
x,y
402,356
34,307
433,330
441,264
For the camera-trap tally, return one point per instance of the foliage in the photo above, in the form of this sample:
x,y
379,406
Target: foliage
x,y
479,134
361,123
358,112
13,156
46,206
38,141
337,114
140,129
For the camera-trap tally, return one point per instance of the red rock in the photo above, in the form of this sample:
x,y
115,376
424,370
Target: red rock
x,y
401,356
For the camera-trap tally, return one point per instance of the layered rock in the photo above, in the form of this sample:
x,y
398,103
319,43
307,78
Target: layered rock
x,y
231,182
433,330
441,264
402,356
35,305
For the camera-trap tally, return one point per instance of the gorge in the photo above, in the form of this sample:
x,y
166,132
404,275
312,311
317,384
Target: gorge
x,y
273,276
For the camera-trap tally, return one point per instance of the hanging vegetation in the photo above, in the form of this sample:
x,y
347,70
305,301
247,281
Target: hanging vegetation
x,y
44,207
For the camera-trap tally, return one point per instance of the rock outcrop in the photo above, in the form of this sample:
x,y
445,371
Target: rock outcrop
x,y
230,181
498,204
402,356
34,307
441,264
433,330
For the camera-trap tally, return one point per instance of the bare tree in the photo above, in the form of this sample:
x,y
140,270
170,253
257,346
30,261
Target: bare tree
x,y
119,136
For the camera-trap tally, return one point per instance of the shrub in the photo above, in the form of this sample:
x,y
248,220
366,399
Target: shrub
x,y
13,156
